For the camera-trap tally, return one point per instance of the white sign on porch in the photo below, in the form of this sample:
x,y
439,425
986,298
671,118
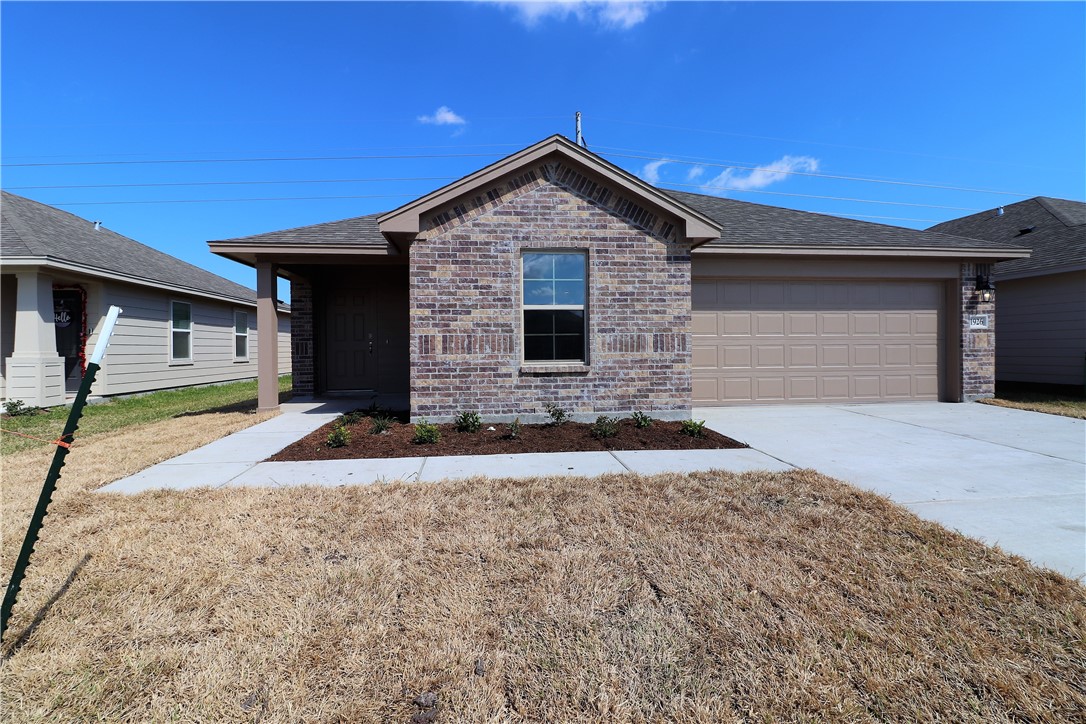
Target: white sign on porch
x,y
978,321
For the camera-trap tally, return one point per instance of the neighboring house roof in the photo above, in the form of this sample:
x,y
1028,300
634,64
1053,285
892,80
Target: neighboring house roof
x,y
749,227
36,234
728,225
1054,228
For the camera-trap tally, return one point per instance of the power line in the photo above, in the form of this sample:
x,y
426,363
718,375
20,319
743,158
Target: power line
x,y
279,150
917,184
233,183
251,160
212,201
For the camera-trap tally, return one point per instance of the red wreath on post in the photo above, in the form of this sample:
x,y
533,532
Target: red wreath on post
x,y
83,335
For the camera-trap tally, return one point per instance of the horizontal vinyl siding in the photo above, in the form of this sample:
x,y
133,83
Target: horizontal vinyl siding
x,y
284,344
1041,329
139,350
8,297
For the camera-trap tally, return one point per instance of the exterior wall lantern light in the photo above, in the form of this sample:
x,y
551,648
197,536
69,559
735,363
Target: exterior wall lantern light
x,y
985,288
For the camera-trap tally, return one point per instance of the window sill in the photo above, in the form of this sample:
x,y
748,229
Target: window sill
x,y
536,368
180,363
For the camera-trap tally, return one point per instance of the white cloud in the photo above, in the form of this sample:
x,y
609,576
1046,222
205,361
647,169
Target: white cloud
x,y
695,173
651,171
759,178
443,116
607,14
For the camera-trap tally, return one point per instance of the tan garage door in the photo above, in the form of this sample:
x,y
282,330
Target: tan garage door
x,y
816,341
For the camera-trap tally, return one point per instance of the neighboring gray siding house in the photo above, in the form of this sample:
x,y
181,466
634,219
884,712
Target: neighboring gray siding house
x,y
1041,301
181,325
553,276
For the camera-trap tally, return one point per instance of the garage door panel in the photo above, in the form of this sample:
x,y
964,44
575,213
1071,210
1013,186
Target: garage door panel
x,y
705,323
817,340
927,323
704,358
802,324
769,324
927,386
926,355
897,323
866,355
803,388
897,386
736,357
735,323
770,356
897,355
803,355
866,323
866,387
834,323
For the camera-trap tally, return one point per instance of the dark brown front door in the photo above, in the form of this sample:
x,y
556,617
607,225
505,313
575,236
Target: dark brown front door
x,y
351,344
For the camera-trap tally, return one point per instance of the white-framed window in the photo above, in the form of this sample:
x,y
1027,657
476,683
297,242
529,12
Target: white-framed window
x,y
554,285
241,335
180,332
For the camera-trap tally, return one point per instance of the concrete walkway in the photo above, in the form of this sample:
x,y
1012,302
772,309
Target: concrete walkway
x,y
1009,477
235,460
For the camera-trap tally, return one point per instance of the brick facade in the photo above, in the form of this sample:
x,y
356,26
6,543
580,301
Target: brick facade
x,y
301,337
977,346
465,300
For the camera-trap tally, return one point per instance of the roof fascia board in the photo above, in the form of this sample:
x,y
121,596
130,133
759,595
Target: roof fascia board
x,y
999,254
26,263
405,220
273,250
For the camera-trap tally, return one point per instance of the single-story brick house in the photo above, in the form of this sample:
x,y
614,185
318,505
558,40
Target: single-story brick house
x,y
553,276
181,325
1041,300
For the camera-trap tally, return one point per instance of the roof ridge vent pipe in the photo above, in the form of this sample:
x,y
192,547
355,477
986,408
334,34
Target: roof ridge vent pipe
x,y
999,211
97,225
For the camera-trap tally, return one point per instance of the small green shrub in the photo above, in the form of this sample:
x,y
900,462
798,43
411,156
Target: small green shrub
x,y
18,408
340,436
604,427
558,415
468,422
425,433
641,420
514,429
353,417
693,428
379,424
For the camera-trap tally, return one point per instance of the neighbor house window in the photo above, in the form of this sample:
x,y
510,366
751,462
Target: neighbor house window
x,y
241,335
554,307
180,331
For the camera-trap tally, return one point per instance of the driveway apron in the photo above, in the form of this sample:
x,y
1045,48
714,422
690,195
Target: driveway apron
x,y
1012,478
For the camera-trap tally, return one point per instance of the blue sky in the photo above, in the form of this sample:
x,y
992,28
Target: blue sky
x,y
777,103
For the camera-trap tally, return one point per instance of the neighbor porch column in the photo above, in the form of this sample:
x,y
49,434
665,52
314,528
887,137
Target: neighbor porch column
x,y
267,326
35,372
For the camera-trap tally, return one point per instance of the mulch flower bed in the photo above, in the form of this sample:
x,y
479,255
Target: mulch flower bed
x,y
494,439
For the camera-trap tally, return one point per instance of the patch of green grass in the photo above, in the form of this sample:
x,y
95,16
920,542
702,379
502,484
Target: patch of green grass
x,y
122,412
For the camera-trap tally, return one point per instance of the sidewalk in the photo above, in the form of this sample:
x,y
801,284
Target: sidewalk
x,y
235,460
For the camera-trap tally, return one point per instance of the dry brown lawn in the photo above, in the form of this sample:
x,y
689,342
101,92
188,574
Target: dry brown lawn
x,y
1049,404
705,597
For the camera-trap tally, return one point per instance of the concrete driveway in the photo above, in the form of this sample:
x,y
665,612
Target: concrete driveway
x,y
1009,477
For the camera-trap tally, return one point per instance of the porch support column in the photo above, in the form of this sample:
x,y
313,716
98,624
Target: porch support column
x,y
35,372
267,325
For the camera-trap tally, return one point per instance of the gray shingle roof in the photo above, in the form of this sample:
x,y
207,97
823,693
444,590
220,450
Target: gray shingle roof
x,y
1058,238
747,223
32,229
360,230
